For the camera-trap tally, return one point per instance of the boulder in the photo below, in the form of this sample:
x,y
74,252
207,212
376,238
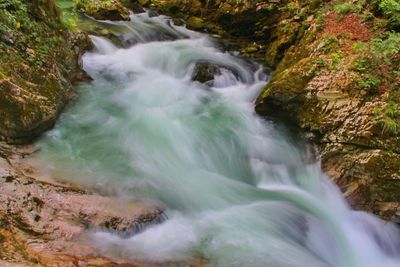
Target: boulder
x,y
46,223
204,72
104,10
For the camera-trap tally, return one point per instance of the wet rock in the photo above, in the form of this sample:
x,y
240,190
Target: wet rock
x,y
250,49
24,114
43,222
195,23
104,10
127,227
144,2
135,6
36,76
369,178
30,107
205,71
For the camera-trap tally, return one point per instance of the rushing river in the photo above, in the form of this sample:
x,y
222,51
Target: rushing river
x,y
235,190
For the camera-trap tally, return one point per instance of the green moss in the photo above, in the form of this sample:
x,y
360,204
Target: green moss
x,y
289,82
144,2
195,23
391,10
331,44
384,48
359,47
388,118
33,60
369,82
344,8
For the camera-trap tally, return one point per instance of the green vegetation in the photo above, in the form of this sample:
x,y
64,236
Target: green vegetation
x,y
379,57
331,44
389,118
13,16
69,16
91,4
386,48
370,49
391,10
359,47
369,82
344,8
26,36
292,6
319,63
383,60
336,58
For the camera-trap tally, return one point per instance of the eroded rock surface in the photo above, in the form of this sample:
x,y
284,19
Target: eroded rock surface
x,y
47,223
39,61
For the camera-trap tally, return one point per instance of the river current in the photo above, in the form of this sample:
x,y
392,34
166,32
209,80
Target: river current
x,y
236,191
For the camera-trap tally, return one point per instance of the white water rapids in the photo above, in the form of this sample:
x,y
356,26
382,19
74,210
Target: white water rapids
x,y
234,189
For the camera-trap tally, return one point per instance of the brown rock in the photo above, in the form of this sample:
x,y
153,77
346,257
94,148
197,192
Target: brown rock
x,y
42,222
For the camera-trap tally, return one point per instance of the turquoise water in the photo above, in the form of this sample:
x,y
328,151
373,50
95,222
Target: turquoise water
x,y
235,190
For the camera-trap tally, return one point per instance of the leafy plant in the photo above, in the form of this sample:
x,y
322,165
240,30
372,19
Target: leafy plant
x,y
363,64
343,8
292,6
386,47
336,58
391,10
331,43
359,47
389,118
369,82
319,63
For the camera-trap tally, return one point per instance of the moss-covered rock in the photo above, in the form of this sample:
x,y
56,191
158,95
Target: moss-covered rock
x,y
195,23
316,83
39,60
104,10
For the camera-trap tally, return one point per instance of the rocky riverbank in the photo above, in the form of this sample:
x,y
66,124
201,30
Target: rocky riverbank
x,y
43,223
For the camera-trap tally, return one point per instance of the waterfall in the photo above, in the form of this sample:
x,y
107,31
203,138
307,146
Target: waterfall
x,y
235,189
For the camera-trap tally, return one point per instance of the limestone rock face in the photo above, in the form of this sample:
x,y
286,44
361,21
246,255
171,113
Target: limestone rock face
x,y
23,113
318,87
38,63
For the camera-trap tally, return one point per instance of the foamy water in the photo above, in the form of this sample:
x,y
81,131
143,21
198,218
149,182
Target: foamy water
x,y
235,190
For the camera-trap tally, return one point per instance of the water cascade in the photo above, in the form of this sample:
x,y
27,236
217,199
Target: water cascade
x,y
235,190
